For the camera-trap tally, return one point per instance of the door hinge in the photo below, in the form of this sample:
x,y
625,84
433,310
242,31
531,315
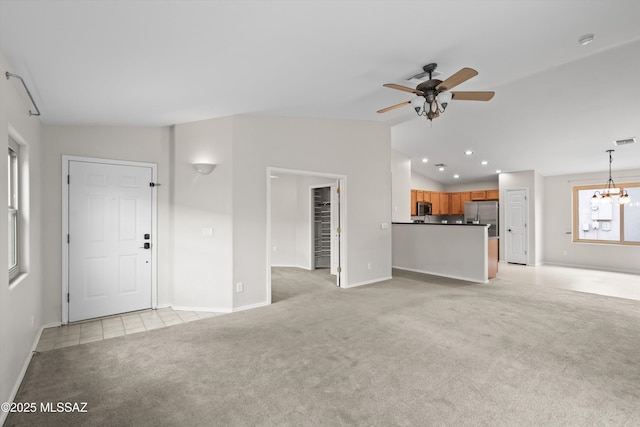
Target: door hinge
x,y
68,179
339,269
338,230
338,190
68,239
68,298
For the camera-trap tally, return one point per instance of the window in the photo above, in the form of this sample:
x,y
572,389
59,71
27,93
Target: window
x,y
613,223
14,222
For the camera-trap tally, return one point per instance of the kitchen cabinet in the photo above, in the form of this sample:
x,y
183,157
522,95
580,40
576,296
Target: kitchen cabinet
x,y
419,195
493,194
444,203
455,203
465,196
414,200
435,203
478,195
427,196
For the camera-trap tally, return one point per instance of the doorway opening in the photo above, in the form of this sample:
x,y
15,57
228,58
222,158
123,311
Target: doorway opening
x,y
304,227
322,227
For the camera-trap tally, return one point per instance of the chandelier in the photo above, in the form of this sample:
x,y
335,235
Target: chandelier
x,y
610,188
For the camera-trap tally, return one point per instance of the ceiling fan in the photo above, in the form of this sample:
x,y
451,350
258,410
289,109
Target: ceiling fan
x,y
434,95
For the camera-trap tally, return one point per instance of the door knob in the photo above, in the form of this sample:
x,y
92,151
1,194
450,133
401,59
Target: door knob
x,y
146,246
509,230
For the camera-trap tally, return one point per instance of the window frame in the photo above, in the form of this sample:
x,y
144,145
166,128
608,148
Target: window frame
x,y
576,214
13,187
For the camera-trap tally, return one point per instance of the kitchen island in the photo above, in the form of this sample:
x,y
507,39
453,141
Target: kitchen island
x,y
458,251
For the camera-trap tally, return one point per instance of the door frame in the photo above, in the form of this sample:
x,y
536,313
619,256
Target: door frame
x,y
341,277
312,261
65,225
507,217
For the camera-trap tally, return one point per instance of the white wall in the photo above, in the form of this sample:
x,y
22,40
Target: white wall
x,y
359,150
401,190
285,220
472,186
121,143
421,182
20,302
559,248
202,266
464,256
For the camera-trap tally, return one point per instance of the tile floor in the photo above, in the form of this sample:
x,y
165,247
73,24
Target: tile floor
x,y
114,326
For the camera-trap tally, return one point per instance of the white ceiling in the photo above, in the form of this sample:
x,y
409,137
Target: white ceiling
x,y
558,105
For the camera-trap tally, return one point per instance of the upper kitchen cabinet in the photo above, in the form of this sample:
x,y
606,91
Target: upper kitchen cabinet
x,y
478,195
456,206
493,194
444,203
414,201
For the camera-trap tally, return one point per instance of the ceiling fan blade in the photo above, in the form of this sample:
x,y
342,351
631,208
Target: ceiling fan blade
x,y
459,77
472,96
393,107
403,88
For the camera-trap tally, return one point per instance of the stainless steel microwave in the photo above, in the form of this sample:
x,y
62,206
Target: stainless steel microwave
x,y
423,208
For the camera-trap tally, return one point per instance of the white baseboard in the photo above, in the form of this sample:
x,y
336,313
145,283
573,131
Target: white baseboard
x,y
25,366
589,267
203,309
367,282
449,276
250,306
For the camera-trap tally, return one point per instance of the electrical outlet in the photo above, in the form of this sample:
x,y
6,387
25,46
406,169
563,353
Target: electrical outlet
x,y
207,232
239,287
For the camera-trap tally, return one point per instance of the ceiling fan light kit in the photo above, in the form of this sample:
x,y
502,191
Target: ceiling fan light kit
x,y
433,95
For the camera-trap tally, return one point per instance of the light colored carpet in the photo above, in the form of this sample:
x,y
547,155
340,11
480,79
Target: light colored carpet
x,y
412,351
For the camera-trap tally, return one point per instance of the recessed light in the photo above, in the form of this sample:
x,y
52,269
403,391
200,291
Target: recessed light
x,y
586,39
498,171
456,176
468,152
484,163
425,160
441,169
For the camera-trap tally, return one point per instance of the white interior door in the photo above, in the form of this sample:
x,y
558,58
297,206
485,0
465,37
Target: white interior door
x,y
109,223
516,227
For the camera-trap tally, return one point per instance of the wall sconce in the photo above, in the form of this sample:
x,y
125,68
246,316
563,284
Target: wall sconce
x,y
204,168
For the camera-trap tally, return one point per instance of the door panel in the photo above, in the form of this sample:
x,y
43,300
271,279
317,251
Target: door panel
x,y
110,210
516,227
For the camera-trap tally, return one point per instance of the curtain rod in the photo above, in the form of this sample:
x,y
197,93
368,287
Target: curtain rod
x,y
37,113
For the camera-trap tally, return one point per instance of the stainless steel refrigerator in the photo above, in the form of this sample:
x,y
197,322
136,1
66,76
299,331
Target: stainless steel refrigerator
x,y
482,213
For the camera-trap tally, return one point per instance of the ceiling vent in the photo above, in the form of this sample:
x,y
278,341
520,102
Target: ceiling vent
x,y
624,141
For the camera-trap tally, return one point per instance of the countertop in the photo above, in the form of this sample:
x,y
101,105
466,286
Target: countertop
x,y
440,223
449,223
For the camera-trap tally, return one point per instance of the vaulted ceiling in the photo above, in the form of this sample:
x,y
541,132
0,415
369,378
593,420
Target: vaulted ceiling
x,y
558,105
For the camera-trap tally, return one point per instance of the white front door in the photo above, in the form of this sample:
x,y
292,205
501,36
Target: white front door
x,y
516,227
109,223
